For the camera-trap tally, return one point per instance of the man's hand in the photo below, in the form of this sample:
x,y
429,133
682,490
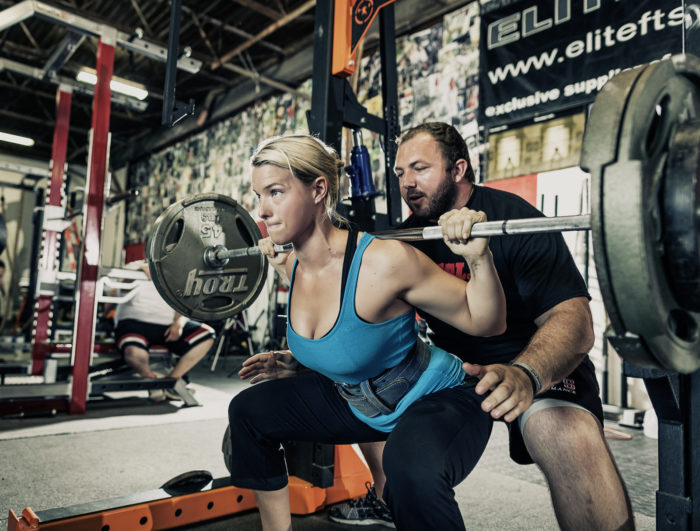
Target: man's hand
x,y
269,365
456,230
173,332
511,390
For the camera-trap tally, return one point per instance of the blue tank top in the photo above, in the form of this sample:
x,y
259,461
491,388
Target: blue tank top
x,y
355,350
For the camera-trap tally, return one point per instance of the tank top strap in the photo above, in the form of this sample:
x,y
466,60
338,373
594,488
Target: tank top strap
x,y
350,248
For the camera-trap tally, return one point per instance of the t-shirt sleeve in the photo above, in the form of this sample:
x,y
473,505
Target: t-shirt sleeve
x,y
544,271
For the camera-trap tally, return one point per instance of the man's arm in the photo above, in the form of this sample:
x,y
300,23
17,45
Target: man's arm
x,y
563,338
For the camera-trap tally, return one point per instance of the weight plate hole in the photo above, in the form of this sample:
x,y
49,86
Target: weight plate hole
x,y
244,232
216,302
682,324
656,135
174,235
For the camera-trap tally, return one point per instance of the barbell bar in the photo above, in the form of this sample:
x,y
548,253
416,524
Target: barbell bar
x,y
219,256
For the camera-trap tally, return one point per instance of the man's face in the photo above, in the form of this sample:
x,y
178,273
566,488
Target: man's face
x,y
426,184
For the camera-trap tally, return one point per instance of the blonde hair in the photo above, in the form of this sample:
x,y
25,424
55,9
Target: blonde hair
x,y
307,158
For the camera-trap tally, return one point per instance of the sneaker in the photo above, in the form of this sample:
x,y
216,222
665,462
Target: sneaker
x,y
156,395
171,395
368,510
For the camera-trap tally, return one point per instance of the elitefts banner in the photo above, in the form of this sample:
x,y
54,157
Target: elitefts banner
x,y
541,56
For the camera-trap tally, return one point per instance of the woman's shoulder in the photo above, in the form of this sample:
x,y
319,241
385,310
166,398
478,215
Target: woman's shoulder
x,y
389,254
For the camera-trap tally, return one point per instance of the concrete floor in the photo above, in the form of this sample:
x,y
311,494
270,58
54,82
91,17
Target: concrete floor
x,y
132,445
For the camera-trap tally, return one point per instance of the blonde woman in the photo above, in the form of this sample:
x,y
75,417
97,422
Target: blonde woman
x,y
351,319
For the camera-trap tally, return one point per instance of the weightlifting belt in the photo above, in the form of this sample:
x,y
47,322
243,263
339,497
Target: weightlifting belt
x,y
379,395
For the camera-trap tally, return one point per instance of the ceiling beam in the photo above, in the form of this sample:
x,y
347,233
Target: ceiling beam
x,y
264,33
29,35
204,36
255,6
62,53
264,79
34,120
143,20
52,96
232,29
25,52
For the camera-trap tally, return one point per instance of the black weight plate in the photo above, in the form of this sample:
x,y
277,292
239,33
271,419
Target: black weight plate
x,y
633,124
175,251
599,148
681,213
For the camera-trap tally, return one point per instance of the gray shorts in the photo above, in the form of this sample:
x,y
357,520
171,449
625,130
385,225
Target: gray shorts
x,y
580,390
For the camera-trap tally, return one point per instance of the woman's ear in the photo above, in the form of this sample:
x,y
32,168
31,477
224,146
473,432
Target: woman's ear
x,y
320,188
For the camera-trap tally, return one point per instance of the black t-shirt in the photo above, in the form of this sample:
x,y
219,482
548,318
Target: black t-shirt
x,y
537,272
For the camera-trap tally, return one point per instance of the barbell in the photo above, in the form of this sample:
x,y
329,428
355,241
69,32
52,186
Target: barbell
x,y
199,267
642,149
218,256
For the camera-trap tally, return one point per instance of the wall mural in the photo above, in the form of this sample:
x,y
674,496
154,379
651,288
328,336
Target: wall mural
x,y
438,80
214,160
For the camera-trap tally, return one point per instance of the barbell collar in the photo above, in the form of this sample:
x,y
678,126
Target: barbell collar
x,y
219,256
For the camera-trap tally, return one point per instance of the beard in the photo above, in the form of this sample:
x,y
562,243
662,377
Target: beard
x,y
441,202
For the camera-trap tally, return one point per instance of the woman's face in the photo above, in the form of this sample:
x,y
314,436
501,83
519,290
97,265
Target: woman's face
x,y
285,204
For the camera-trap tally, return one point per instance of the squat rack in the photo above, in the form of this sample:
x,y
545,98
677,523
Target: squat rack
x,y
73,396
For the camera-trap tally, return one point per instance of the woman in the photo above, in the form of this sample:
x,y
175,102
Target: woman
x,y
351,319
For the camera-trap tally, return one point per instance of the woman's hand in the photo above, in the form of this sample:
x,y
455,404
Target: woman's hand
x,y
268,249
269,366
456,230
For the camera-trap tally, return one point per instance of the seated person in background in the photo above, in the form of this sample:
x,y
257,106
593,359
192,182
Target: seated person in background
x,y
351,319
146,320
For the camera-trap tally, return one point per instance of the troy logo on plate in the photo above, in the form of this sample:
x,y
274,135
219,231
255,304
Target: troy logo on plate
x,y
211,282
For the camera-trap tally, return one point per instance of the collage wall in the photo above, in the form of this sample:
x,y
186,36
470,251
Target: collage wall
x,y
437,80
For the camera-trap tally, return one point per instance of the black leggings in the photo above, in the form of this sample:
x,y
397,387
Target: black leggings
x,y
435,445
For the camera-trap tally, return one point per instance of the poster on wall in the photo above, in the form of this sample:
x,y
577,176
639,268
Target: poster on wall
x,y
539,147
542,56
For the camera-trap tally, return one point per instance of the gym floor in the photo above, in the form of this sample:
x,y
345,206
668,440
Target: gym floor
x,y
121,447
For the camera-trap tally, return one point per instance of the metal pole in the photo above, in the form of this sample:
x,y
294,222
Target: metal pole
x,y
54,204
86,301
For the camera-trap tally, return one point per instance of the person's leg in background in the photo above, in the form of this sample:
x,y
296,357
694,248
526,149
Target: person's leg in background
x,y
195,342
191,358
137,358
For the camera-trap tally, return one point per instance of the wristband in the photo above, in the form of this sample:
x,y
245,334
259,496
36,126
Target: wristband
x,y
531,374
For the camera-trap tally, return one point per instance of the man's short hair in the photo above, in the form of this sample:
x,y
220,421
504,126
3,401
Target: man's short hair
x,y
448,138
